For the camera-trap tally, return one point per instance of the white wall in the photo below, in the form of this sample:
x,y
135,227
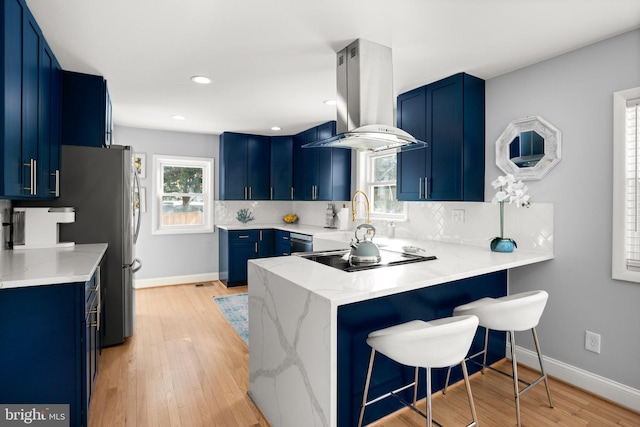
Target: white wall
x,y
172,258
574,92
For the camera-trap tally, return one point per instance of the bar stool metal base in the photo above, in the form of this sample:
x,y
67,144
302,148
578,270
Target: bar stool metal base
x,y
517,391
428,415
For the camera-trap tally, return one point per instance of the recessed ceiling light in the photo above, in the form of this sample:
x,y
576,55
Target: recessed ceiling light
x,y
276,128
203,80
178,117
330,102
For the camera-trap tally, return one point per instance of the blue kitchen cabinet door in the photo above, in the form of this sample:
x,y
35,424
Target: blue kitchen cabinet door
x,y
86,110
321,173
310,165
11,126
266,243
281,178
233,166
31,100
49,124
299,171
412,164
30,85
258,167
239,254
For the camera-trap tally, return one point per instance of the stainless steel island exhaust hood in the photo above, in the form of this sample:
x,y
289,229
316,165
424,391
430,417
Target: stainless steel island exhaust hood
x,y
365,101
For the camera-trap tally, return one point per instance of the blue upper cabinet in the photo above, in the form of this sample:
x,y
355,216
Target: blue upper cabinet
x,y
449,116
281,168
321,173
86,110
30,117
244,167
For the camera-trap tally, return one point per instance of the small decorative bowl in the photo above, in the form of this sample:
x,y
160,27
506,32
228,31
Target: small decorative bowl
x,y
290,219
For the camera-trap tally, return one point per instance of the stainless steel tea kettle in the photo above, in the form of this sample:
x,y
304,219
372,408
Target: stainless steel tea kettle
x,y
364,250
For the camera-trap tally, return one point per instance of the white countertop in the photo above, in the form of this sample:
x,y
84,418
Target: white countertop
x,y
454,262
37,267
295,228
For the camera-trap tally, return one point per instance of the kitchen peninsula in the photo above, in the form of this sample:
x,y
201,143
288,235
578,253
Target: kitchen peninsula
x,y
308,323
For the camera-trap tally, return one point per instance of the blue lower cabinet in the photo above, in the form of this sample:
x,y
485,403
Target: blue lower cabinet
x,y
282,243
238,247
50,346
357,320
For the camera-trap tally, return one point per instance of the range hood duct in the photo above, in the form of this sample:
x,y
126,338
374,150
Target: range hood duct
x,y
365,101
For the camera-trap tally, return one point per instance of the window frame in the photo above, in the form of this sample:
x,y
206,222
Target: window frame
x,y
368,183
619,269
207,164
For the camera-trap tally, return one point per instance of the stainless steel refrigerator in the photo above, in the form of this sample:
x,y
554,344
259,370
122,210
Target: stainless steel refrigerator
x,y
101,183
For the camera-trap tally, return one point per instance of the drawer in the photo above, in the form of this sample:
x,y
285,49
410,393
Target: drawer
x,y
243,236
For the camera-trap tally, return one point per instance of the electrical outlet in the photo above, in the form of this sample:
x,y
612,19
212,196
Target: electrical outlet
x,y
592,342
457,215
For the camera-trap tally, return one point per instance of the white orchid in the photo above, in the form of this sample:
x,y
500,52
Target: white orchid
x,y
511,191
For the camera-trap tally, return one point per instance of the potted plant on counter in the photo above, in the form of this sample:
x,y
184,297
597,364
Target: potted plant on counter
x,y
512,192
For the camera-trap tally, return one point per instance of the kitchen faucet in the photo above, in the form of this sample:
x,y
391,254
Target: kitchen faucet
x,y
366,205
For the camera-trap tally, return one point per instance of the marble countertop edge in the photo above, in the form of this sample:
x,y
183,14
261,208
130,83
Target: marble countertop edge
x,y
50,266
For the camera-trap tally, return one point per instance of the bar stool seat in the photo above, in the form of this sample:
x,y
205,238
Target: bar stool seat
x,y
511,313
435,344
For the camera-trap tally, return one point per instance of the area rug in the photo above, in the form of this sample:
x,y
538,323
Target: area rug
x,y
235,308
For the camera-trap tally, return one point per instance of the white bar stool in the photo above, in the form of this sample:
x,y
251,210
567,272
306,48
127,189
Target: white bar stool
x,y
434,344
511,313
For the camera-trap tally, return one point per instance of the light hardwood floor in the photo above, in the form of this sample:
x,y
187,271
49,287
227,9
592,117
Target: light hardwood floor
x,y
185,366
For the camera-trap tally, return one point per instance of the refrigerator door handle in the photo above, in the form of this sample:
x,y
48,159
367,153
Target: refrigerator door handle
x,y
138,267
134,268
137,231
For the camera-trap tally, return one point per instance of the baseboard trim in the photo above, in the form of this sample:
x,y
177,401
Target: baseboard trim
x,y
174,280
611,390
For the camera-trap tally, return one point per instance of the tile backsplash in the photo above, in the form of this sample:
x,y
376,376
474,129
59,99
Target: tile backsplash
x,y
470,223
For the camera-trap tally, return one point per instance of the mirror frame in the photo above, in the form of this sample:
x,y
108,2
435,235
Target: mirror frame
x,y
552,147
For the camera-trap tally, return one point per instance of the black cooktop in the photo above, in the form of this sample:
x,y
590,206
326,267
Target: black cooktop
x,y
340,259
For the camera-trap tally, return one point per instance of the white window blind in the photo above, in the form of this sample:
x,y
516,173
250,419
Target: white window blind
x,y
632,179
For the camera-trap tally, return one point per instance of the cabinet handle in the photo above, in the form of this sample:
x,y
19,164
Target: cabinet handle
x,y
249,193
32,177
256,247
420,188
292,193
260,234
243,237
426,187
270,193
56,191
35,177
245,193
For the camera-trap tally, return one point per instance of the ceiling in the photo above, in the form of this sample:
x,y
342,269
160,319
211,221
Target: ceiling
x,y
272,62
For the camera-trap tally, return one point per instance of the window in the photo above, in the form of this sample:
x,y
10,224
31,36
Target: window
x,y
626,186
381,186
183,195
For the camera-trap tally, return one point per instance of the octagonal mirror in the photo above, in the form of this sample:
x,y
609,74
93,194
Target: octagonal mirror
x,y
528,148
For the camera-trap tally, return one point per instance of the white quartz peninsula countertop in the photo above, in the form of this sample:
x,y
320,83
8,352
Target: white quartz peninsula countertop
x,y
454,262
37,267
294,318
